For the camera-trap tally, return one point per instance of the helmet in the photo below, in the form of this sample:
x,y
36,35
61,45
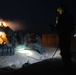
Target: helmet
x,y
62,8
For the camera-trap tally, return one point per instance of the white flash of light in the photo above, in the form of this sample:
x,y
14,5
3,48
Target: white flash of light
x,y
26,52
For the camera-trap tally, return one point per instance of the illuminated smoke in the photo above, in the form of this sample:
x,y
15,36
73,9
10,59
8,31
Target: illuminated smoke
x,y
14,25
3,38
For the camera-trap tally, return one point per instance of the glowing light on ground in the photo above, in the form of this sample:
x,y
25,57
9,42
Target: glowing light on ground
x,y
27,52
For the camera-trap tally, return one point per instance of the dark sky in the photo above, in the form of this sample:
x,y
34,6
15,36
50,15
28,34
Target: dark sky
x,y
37,14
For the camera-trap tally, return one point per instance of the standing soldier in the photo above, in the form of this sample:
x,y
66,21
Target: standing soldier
x,y
64,26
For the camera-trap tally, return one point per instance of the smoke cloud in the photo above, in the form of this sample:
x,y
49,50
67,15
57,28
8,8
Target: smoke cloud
x,y
15,24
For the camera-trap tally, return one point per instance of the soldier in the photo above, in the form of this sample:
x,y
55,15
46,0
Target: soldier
x,y
64,26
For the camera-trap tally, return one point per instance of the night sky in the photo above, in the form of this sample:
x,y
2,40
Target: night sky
x,y
37,14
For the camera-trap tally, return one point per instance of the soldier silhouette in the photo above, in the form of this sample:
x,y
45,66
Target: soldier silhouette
x,y
64,27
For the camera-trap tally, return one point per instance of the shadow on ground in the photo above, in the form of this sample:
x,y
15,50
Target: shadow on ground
x,y
46,67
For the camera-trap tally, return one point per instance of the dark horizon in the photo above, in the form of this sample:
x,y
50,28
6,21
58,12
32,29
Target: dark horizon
x,y
37,15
